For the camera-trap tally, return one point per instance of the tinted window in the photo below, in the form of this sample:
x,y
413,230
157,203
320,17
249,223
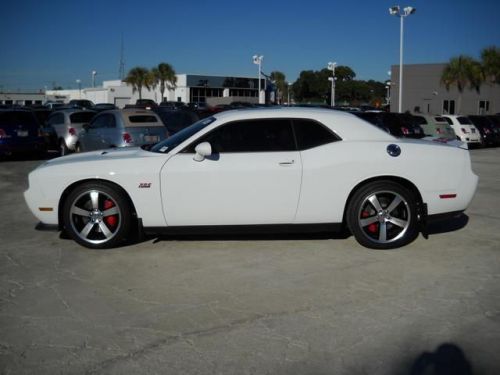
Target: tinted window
x,y
260,135
464,120
81,117
419,120
106,120
138,119
15,118
312,134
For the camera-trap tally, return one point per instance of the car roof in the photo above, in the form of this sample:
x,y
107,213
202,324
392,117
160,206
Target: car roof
x,y
346,125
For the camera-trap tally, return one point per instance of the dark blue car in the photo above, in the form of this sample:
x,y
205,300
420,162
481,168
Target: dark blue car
x,y
20,133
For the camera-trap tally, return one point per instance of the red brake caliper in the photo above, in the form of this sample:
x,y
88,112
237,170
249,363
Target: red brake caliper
x,y
373,227
111,220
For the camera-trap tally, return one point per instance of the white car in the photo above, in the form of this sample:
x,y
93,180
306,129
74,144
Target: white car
x,y
464,129
289,169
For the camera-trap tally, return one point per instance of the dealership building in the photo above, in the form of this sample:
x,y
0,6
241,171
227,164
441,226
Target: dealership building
x,y
423,92
190,88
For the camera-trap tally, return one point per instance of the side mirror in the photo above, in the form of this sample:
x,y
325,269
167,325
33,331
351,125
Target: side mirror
x,y
202,151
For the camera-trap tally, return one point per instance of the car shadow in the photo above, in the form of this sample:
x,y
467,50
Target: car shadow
x,y
449,225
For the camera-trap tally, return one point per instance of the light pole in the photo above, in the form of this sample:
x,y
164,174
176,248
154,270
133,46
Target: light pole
x,y
93,77
258,61
388,94
289,86
79,82
396,11
331,66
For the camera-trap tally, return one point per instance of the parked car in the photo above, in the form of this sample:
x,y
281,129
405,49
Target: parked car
x,y
490,137
81,103
54,104
42,115
280,169
145,103
397,124
20,133
67,124
121,128
99,107
175,119
173,105
464,129
435,126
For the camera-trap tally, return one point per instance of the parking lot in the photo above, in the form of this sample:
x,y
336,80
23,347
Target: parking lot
x,y
284,304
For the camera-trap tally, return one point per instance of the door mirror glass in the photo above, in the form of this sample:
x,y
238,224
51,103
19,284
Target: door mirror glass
x,y
202,151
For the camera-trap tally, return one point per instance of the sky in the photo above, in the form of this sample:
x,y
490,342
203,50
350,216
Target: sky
x,y
49,42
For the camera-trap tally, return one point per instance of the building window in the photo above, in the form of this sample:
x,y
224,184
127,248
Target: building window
x,y
484,107
448,107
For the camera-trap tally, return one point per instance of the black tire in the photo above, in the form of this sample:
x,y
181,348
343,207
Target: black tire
x,y
98,215
383,215
63,149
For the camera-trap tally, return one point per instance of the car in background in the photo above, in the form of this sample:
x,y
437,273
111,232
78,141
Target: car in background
x,y
20,133
464,129
145,103
42,115
282,169
173,105
67,124
490,136
99,107
435,126
398,124
81,103
176,119
54,104
121,128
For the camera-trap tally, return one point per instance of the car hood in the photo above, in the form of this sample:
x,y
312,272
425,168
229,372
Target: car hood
x,y
104,156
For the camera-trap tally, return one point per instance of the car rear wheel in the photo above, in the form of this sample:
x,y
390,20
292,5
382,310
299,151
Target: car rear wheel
x,y
383,215
97,215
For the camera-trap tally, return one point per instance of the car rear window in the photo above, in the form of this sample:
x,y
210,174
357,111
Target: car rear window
x,y
81,117
464,120
15,118
439,119
142,119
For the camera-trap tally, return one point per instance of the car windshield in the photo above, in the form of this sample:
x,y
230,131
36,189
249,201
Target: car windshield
x,y
172,142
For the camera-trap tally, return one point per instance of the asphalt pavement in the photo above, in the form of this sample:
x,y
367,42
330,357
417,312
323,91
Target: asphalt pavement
x,y
284,304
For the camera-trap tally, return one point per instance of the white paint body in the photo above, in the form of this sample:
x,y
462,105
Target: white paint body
x,y
293,187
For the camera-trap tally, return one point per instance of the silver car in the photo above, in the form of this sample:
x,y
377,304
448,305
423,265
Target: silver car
x,y
121,128
67,124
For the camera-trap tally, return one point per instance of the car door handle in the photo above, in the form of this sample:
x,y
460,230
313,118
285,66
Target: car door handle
x,y
285,163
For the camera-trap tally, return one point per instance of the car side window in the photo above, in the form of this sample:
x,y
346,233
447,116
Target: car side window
x,y
259,135
310,133
103,121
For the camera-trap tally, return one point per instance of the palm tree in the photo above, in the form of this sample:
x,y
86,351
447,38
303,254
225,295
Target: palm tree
x,y
490,60
164,74
462,71
138,78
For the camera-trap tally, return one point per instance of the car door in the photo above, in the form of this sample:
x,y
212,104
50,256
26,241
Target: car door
x,y
252,177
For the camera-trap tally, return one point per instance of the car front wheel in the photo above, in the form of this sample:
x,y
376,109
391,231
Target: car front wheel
x,y
383,215
97,215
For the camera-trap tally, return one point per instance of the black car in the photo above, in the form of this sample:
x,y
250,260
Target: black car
x,y
99,107
176,119
173,105
490,134
20,133
397,124
81,103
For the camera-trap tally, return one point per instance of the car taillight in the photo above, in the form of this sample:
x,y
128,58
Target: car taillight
x,y
405,130
127,138
3,134
72,131
464,131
